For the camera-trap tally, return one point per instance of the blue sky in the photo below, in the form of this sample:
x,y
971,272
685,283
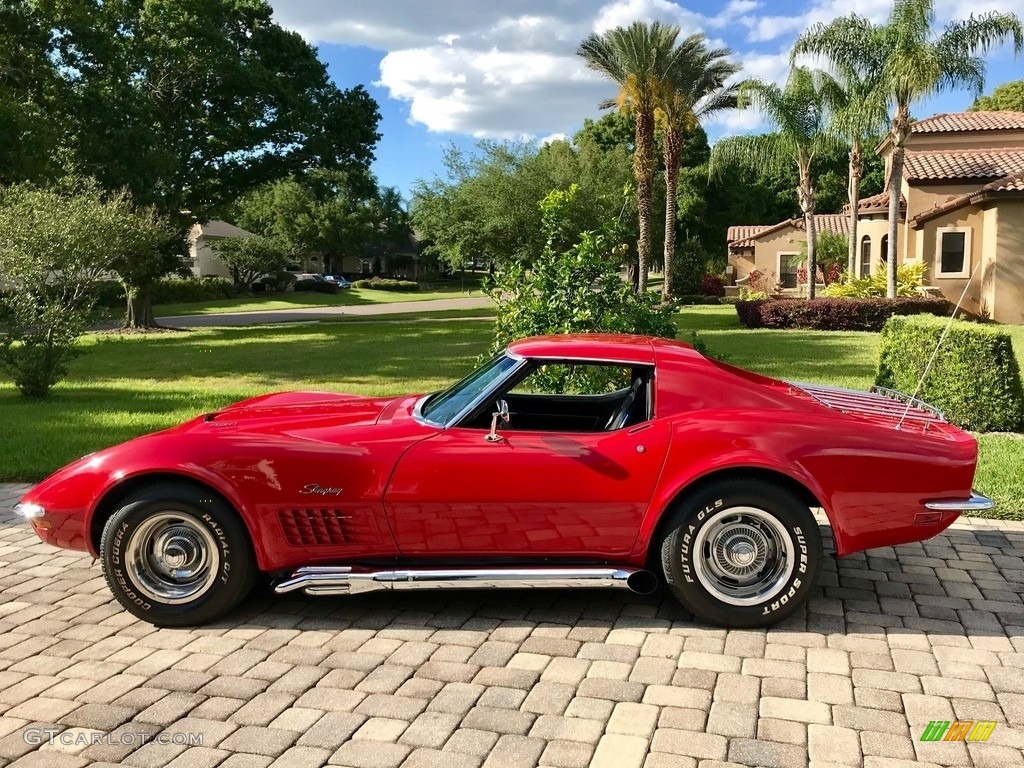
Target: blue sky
x,y
460,70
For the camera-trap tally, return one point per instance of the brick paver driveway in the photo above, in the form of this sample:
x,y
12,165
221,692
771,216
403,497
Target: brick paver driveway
x,y
895,639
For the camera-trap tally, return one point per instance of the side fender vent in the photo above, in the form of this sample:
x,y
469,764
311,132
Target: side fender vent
x,y
328,527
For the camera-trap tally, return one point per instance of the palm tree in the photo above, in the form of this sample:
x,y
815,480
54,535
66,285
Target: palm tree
x,y
913,61
858,111
798,114
638,58
697,90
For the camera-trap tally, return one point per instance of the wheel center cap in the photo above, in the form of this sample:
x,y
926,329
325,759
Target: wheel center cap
x,y
742,553
174,556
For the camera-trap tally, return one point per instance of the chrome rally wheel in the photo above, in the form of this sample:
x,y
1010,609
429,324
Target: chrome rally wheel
x,y
743,556
176,555
741,553
172,558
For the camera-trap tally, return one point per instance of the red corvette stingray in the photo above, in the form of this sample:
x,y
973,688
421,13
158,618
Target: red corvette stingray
x,y
664,465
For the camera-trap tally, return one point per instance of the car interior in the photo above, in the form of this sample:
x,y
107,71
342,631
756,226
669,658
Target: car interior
x,y
573,411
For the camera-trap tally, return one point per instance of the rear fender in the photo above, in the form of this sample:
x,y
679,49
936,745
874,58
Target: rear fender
x,y
675,484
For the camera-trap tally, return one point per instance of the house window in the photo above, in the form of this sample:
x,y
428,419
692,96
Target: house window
x,y
789,264
954,252
865,256
885,249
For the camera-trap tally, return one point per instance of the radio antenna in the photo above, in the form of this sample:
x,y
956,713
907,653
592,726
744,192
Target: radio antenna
x,y
935,352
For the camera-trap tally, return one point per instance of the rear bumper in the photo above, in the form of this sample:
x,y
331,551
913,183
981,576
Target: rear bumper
x,y
976,503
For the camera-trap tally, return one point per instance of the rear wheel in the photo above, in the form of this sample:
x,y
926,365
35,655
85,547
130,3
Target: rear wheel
x,y
176,556
741,553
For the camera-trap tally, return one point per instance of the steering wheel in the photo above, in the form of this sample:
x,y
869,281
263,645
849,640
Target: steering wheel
x,y
621,416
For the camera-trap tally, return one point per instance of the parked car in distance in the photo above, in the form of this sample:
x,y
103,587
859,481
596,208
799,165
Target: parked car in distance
x,y
339,280
575,461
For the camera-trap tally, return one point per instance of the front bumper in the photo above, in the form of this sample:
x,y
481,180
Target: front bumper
x,y
976,503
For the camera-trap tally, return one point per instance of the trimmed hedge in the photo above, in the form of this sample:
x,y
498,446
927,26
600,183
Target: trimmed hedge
x,y
387,284
169,290
183,290
834,314
975,379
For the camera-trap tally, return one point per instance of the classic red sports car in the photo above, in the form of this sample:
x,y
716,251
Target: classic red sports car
x,y
566,461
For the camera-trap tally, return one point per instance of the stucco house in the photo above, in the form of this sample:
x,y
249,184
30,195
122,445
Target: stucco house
x,y
961,213
204,261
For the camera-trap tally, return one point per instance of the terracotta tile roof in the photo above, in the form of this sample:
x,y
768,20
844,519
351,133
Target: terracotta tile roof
x,y
739,237
962,164
1012,184
879,202
839,223
958,122
744,232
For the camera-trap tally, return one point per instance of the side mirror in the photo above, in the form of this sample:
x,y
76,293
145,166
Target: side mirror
x,y
499,415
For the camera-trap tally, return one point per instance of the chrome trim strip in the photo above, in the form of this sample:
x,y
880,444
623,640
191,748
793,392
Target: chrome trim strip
x,y
344,580
976,503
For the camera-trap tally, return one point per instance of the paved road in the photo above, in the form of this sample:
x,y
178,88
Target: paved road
x,y
894,639
306,314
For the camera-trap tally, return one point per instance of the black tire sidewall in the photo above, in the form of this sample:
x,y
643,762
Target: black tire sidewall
x,y
236,563
699,510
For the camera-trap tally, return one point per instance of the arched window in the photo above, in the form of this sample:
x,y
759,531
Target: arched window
x,y
885,248
865,256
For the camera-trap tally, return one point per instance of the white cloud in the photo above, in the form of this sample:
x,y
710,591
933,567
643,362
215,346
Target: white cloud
x,y
509,69
485,69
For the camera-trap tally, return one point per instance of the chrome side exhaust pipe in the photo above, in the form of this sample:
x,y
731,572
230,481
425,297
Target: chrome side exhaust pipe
x,y
344,580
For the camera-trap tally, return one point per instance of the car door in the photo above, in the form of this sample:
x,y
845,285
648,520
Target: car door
x,y
531,493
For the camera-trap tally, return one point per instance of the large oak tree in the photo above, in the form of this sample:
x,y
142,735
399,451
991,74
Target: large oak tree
x,y
188,104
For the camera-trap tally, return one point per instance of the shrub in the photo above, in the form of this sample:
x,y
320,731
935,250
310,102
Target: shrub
x,y
730,300
748,294
387,284
316,286
276,282
974,379
572,289
56,244
908,279
688,266
712,285
763,283
831,255
834,314
192,289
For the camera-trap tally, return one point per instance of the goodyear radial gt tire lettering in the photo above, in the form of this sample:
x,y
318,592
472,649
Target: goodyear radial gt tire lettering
x,y
175,556
741,553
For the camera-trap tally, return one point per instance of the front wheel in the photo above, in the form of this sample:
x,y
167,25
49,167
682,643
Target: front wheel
x,y
741,553
175,556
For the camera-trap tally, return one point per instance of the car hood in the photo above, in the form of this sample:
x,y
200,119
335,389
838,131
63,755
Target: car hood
x,y
285,411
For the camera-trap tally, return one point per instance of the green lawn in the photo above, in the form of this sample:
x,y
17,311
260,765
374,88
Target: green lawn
x,y
127,385
345,298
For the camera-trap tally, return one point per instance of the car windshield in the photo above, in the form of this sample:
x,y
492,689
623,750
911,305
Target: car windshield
x,y
444,406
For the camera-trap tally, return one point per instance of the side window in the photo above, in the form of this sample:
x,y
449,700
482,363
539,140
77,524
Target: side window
x,y
574,379
578,397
